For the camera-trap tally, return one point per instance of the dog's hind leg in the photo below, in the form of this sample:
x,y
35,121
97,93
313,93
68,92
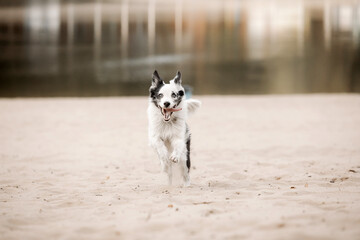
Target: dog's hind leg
x,y
185,174
186,164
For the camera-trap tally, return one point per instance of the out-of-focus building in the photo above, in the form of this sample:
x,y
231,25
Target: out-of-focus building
x,y
256,46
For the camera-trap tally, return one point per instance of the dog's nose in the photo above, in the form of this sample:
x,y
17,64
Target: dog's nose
x,y
166,104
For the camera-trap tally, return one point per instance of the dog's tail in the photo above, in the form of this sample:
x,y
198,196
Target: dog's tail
x,y
192,105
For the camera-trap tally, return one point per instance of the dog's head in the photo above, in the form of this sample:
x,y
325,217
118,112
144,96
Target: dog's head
x,y
167,97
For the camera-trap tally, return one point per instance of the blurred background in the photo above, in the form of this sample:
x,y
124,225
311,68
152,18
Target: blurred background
x,y
110,48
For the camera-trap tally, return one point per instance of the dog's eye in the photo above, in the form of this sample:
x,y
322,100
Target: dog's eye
x,y
173,95
160,95
181,93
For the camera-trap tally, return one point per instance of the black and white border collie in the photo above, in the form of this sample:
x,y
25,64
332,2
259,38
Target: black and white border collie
x,y
168,132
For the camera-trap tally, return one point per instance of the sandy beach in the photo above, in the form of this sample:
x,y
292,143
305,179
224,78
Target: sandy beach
x,y
263,167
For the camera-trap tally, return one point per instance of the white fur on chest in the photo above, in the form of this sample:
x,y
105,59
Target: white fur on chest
x,y
158,128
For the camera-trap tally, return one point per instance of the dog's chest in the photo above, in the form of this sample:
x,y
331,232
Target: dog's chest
x,y
168,131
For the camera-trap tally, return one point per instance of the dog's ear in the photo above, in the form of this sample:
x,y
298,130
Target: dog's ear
x,y
156,80
177,78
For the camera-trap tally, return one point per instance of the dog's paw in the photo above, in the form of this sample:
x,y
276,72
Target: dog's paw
x,y
186,184
174,158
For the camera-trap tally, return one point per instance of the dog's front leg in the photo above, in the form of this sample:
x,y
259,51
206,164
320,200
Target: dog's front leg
x,y
179,150
179,155
159,145
160,148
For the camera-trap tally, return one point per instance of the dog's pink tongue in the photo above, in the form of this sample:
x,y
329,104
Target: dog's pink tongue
x,y
173,109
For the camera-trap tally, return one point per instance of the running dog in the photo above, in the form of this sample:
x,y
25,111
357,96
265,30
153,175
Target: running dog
x,y
169,134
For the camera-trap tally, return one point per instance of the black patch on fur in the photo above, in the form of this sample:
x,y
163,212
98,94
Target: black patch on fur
x,y
154,92
188,163
178,99
156,75
157,84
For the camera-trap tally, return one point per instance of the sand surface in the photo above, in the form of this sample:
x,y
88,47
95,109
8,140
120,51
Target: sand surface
x,y
264,167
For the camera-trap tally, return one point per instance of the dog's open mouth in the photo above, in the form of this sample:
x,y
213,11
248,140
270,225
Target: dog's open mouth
x,y
167,112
